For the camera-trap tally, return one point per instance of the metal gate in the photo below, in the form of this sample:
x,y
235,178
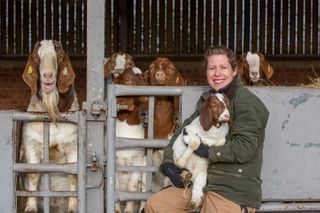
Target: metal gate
x,y
13,168
290,175
291,148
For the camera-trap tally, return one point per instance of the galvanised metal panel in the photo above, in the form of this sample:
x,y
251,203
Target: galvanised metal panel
x,y
292,146
7,197
292,141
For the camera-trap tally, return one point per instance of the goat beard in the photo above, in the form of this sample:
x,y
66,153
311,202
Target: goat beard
x,y
50,101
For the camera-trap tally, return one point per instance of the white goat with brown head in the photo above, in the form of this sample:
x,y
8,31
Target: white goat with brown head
x,y
50,76
117,63
209,128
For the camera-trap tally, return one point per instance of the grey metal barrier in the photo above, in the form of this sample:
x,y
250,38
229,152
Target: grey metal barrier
x,y
292,148
10,165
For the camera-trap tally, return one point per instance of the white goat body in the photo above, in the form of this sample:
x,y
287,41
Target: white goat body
x,y
188,141
129,181
129,125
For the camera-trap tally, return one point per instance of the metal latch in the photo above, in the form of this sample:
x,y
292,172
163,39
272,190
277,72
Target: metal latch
x,y
96,109
94,161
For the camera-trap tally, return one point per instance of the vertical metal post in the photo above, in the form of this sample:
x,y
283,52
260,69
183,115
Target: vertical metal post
x,y
111,164
82,162
150,136
45,149
7,201
95,93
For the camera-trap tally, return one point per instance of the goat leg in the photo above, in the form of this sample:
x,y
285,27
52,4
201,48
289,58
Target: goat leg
x,y
72,202
32,204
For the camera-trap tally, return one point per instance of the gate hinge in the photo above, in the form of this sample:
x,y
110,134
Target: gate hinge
x,y
97,110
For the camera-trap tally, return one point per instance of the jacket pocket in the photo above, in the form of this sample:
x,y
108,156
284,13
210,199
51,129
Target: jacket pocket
x,y
235,173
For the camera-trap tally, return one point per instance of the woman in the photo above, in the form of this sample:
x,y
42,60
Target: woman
x,y
234,173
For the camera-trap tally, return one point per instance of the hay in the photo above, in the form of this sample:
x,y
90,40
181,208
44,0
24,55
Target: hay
x,y
314,83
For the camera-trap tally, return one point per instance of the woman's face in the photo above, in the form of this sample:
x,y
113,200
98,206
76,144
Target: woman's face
x,y
219,71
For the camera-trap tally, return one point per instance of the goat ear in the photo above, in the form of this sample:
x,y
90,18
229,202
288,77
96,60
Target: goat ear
x,y
146,77
139,78
107,68
266,67
179,80
205,116
66,74
148,74
240,65
30,74
130,62
226,100
242,68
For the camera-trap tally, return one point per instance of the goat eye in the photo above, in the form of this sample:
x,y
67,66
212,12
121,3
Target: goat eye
x,y
213,106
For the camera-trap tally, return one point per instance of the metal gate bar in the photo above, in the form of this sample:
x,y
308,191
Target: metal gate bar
x,y
112,141
78,168
46,135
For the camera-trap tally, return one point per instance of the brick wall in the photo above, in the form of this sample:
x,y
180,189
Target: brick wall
x,y
15,94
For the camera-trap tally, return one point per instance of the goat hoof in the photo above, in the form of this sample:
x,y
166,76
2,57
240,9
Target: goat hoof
x,y
31,206
27,210
193,205
31,211
186,175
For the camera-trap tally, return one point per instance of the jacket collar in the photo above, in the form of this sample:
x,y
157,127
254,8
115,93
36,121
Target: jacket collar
x,y
228,90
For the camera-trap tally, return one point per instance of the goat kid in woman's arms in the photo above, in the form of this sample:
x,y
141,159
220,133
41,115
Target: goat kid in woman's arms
x,y
209,128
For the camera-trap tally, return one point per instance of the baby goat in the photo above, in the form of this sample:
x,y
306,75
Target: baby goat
x,y
209,128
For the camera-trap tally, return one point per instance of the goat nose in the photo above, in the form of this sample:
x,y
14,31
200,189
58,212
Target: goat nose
x,y
160,74
254,74
47,75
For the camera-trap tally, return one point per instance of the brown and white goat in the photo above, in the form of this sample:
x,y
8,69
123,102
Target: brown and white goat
x,y
209,128
50,76
117,63
254,69
163,72
129,124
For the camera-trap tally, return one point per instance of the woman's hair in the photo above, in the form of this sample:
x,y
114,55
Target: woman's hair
x,y
221,50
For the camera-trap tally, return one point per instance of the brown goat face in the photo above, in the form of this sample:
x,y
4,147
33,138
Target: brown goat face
x,y
48,66
130,77
214,111
162,72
